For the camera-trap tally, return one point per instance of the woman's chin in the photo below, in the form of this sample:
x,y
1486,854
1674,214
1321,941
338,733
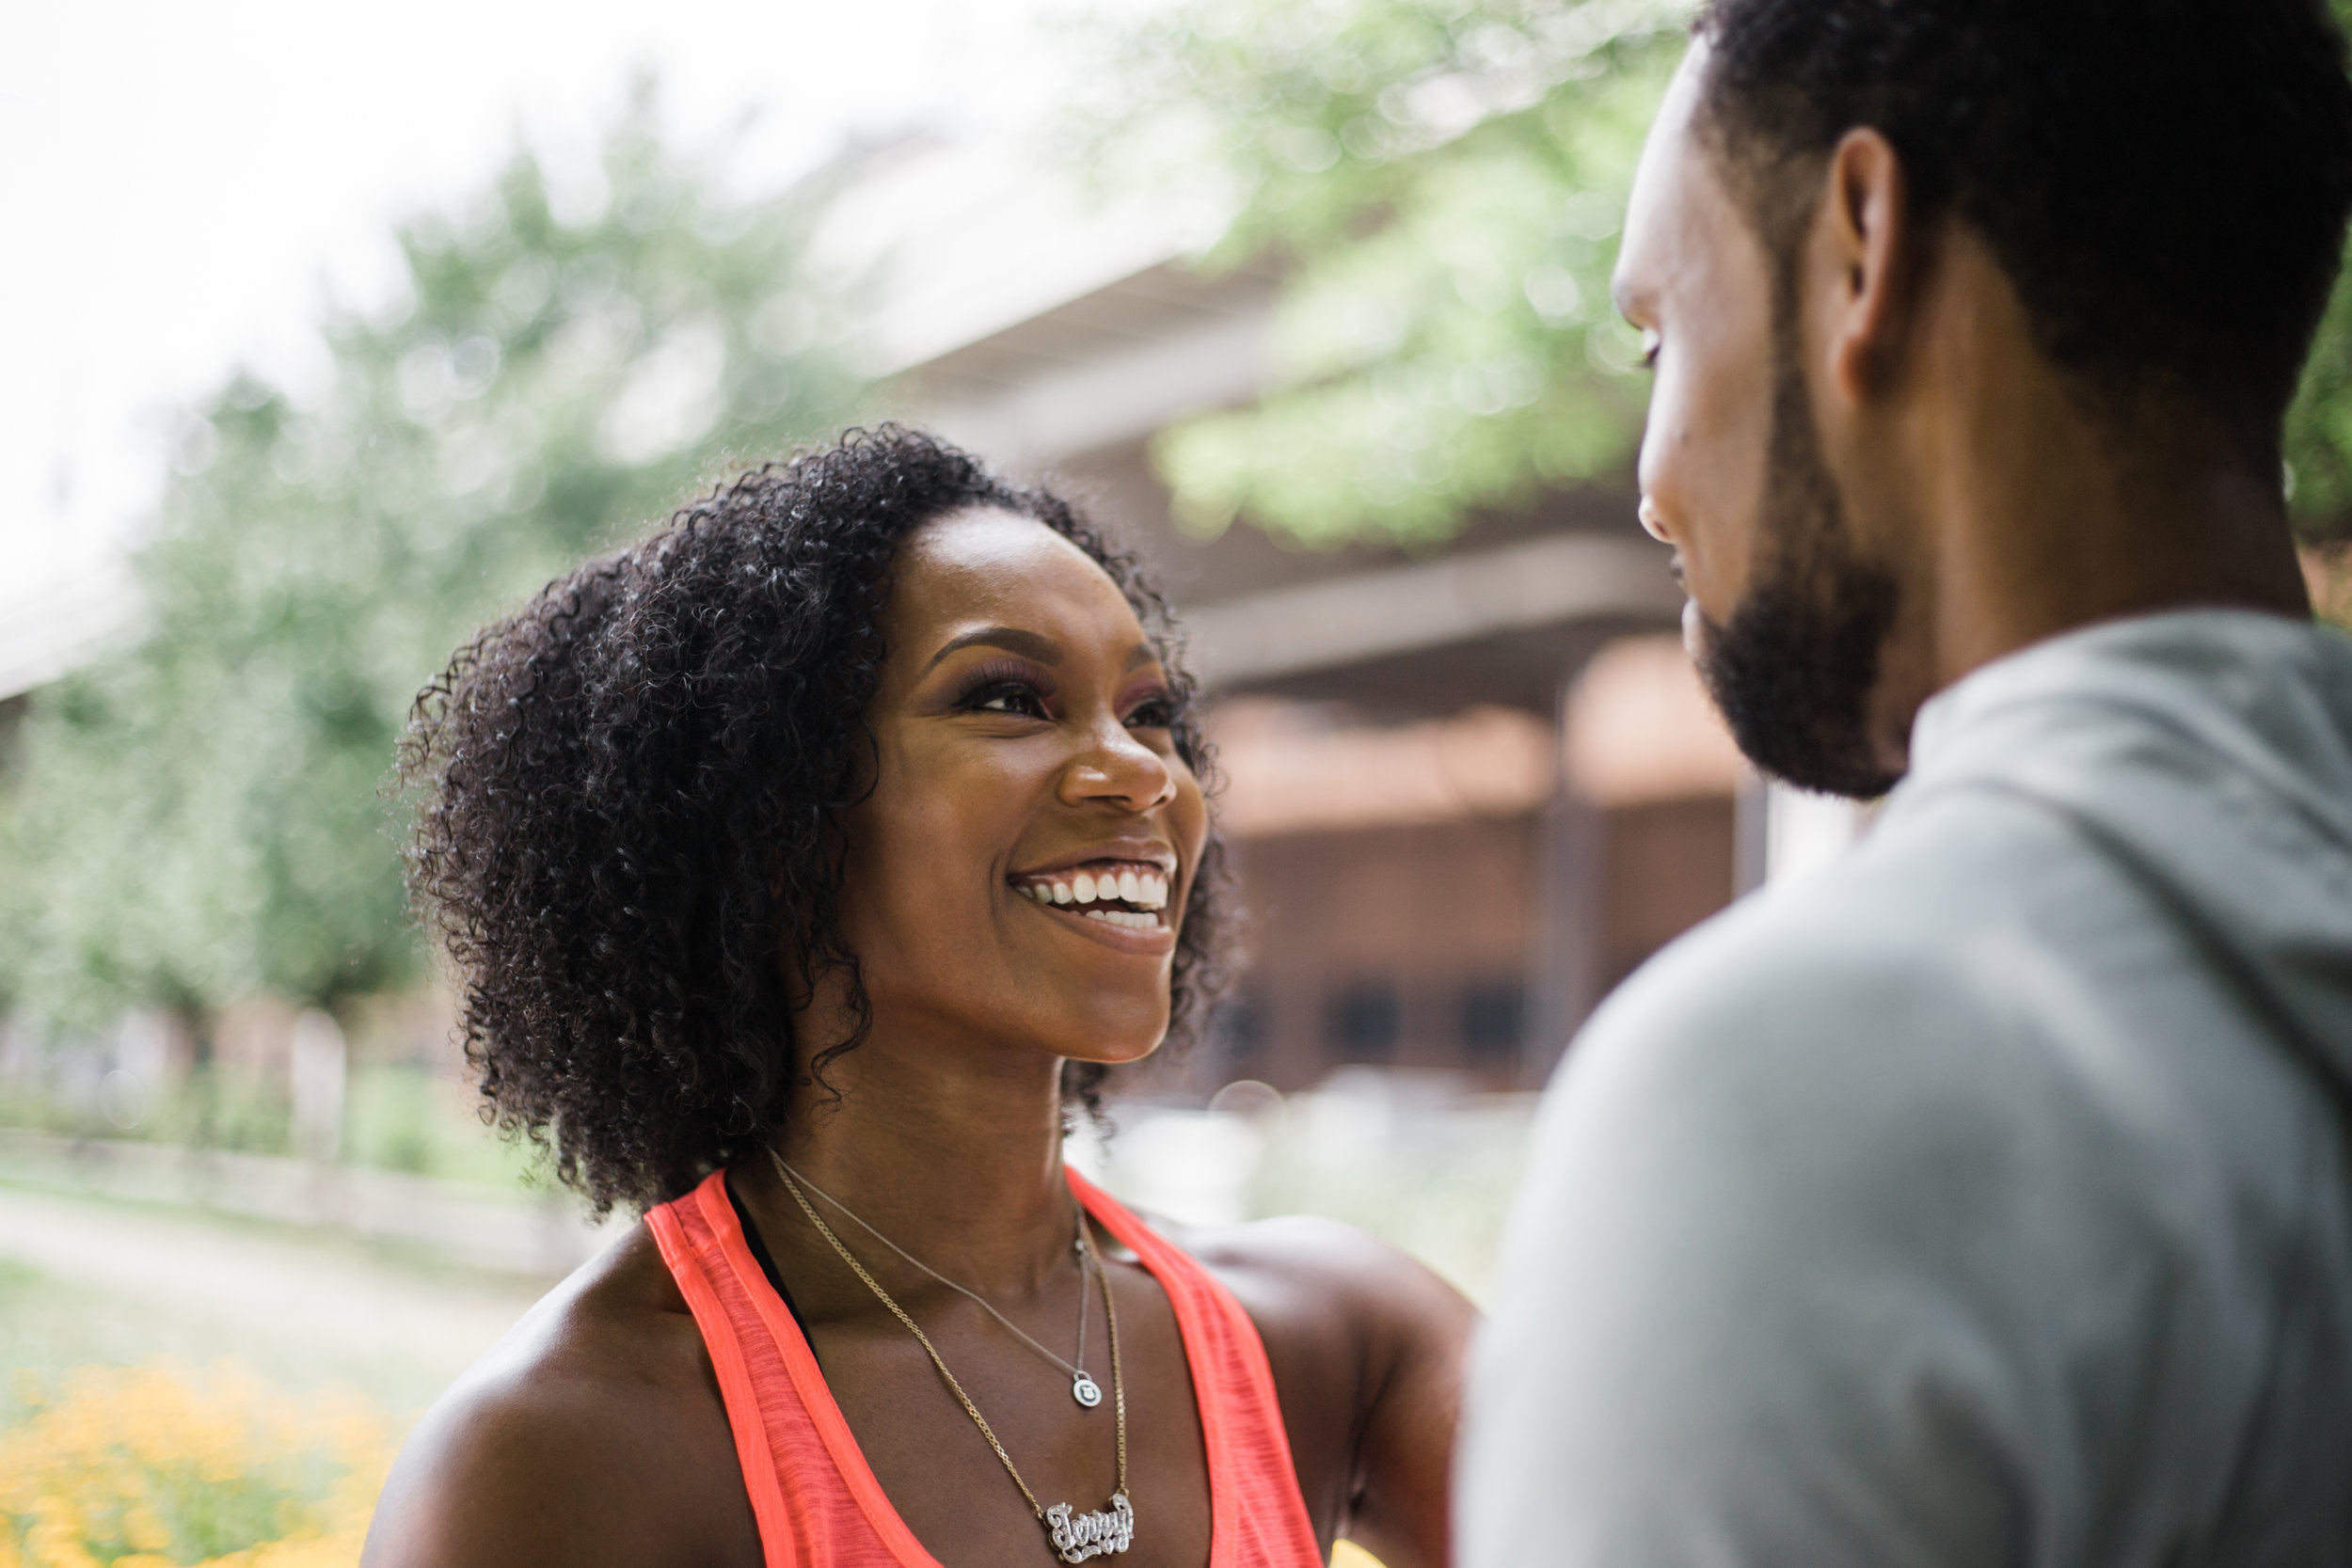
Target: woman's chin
x,y
1113,1047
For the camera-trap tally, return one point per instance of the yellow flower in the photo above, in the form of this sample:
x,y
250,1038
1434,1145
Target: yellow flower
x,y
155,1467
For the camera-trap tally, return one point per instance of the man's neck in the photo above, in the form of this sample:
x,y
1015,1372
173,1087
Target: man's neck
x,y
2034,550
2013,509
2030,512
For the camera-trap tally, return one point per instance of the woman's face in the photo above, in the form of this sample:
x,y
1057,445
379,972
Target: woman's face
x,y
1018,874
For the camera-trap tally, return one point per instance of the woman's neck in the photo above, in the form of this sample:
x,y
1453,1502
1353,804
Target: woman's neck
x,y
955,1156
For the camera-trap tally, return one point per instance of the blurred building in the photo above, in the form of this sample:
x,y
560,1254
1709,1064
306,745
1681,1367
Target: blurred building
x,y
1469,790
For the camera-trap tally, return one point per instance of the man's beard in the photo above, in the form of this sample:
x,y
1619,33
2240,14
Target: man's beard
x,y
1794,667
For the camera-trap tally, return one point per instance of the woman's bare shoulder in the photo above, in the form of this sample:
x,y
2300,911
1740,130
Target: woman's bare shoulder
x,y
1340,1311
1307,1274
592,1433
1366,1347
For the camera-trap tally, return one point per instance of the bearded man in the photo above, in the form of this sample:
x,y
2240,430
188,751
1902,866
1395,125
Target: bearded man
x,y
1986,1199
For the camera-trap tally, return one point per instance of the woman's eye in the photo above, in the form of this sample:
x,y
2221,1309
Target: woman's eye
x,y
1014,697
1157,714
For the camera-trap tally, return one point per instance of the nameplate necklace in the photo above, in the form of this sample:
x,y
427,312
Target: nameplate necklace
x,y
1075,1537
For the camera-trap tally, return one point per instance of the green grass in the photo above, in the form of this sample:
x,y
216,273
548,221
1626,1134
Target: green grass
x,y
49,1324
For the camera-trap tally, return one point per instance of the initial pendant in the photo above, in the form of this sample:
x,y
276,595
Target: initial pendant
x,y
1086,1391
1097,1534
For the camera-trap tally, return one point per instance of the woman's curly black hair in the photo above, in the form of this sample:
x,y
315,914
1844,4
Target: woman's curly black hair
x,y
630,787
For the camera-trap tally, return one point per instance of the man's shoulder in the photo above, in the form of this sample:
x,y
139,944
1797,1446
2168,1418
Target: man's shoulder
x,y
1899,926
1824,1087
1833,956
1883,995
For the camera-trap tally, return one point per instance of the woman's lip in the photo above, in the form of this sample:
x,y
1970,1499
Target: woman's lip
x,y
1122,854
1125,939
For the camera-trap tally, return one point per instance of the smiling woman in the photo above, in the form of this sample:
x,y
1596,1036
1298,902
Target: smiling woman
x,y
637,782
803,865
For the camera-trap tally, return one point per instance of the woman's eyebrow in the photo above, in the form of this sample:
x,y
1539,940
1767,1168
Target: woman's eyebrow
x,y
1029,644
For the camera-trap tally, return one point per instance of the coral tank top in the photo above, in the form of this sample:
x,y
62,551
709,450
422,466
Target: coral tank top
x,y
818,1503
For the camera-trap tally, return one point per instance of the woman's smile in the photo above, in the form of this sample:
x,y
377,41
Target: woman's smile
x,y
1129,896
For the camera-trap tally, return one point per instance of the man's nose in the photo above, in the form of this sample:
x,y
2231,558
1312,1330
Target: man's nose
x,y
1651,523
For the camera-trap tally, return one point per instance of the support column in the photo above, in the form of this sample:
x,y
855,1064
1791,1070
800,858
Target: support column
x,y
1563,947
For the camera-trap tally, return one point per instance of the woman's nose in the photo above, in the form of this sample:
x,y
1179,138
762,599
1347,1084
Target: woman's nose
x,y
1119,770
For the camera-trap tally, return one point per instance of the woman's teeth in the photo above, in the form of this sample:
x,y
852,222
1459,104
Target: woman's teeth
x,y
1144,890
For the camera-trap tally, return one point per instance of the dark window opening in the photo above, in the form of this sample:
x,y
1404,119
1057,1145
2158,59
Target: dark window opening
x,y
1494,1016
1363,1023
1238,1027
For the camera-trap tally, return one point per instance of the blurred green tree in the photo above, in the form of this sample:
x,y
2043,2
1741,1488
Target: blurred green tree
x,y
1442,181
197,818
2319,446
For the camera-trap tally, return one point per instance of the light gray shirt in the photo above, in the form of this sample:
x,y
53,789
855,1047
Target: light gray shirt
x,y
1984,1199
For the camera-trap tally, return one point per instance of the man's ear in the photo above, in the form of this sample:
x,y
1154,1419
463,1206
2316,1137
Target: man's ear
x,y
1865,253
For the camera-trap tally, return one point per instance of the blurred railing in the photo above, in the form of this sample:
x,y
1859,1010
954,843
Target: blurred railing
x,y
541,1233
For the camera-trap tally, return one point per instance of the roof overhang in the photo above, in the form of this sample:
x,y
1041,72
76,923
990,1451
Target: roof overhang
x,y
1555,581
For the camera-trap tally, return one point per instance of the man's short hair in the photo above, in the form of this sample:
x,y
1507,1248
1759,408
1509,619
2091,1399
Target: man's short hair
x,y
2164,181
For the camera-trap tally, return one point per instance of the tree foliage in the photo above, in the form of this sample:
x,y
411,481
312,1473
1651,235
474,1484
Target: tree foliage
x,y
1442,181
198,816
2319,426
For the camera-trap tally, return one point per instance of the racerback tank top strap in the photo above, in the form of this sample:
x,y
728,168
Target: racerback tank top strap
x,y
816,1499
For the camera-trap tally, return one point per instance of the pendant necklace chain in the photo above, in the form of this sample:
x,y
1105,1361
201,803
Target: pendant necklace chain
x,y
1081,1386
1075,1537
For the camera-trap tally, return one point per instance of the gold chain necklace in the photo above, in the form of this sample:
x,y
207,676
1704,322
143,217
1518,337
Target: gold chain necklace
x,y
1075,1536
1082,1386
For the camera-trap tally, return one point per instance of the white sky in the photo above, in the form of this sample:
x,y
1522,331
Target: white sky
x,y
183,182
